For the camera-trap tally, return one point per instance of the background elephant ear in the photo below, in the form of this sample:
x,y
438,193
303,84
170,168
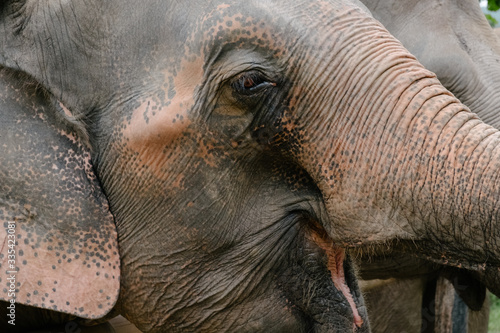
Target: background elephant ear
x,y
66,250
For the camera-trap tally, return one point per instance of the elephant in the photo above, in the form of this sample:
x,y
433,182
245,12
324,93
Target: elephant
x,y
452,39
231,153
455,41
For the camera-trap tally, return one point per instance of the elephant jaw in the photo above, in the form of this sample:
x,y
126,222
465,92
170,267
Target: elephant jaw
x,y
336,257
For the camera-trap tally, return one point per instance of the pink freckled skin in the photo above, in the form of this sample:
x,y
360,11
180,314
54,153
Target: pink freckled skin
x,y
161,130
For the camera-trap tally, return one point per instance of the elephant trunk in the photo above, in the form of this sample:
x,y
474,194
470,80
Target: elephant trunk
x,y
411,163
430,169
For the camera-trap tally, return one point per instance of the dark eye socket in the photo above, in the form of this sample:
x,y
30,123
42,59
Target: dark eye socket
x,y
251,83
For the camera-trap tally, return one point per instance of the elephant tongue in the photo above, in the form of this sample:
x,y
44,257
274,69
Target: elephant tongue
x,y
336,267
336,258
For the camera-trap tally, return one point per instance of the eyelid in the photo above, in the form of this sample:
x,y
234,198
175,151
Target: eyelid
x,y
266,82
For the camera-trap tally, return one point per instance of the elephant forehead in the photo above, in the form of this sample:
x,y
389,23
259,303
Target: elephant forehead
x,y
267,27
226,27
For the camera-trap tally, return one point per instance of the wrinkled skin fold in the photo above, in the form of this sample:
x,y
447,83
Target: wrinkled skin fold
x,y
454,40
243,146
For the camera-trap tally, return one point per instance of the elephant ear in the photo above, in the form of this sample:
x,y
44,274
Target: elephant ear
x,y
59,240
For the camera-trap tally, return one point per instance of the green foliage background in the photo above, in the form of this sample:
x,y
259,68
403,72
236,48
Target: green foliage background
x,y
493,5
494,322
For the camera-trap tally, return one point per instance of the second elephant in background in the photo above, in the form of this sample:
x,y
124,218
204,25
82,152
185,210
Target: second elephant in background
x,y
453,39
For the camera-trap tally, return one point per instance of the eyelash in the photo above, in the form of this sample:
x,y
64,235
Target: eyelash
x,y
251,83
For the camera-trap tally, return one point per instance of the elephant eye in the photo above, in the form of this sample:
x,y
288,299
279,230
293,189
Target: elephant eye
x,y
251,83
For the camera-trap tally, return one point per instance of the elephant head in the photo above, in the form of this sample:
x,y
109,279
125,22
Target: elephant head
x,y
243,146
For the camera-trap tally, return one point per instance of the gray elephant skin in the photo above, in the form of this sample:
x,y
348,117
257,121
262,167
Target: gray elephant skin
x,y
454,40
242,147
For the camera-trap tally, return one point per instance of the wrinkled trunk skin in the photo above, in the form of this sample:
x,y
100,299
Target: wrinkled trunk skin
x,y
419,169
453,39
219,191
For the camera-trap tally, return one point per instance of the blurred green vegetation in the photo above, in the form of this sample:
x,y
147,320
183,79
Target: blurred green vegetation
x,y
493,6
494,323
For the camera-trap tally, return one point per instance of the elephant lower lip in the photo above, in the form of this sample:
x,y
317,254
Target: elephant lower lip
x,y
336,256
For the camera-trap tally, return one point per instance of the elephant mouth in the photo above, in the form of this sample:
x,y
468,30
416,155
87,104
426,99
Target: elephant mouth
x,y
340,269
